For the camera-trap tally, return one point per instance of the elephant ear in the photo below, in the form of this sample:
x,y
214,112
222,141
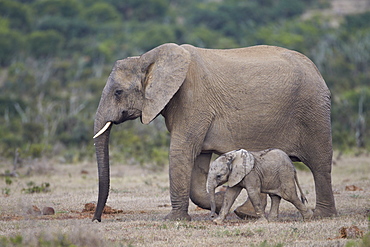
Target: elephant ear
x,y
165,69
241,166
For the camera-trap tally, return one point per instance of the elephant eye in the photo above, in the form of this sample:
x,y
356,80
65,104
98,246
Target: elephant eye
x,y
118,92
218,176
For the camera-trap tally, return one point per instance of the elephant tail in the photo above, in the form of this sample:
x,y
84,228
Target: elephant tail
x,y
303,197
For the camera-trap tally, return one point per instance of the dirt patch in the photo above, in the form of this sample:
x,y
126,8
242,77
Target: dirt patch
x,y
90,208
139,201
353,188
351,232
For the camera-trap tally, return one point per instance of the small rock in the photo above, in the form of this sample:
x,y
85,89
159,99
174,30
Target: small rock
x,y
34,210
353,188
110,210
89,207
48,211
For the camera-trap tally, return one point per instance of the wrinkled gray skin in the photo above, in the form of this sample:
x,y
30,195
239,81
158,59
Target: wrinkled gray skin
x,y
215,101
269,171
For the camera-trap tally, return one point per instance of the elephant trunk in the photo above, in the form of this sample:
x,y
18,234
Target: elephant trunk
x,y
211,191
102,155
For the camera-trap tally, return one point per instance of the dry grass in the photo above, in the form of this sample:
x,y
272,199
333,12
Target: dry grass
x,y
144,198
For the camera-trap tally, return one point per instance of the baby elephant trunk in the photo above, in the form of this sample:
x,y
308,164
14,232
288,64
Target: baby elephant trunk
x,y
211,192
213,204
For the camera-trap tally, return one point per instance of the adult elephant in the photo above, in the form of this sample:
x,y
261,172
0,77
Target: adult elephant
x,y
215,101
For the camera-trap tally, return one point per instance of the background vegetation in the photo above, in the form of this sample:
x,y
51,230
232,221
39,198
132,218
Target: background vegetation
x,y
55,56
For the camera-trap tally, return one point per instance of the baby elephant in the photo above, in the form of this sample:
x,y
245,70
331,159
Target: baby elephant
x,y
270,171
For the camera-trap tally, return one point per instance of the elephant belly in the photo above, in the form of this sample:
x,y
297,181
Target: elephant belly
x,y
217,143
222,138
272,192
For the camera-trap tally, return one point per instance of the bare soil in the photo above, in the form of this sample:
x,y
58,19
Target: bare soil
x,y
139,200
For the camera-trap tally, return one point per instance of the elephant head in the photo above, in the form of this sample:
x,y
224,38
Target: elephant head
x,y
137,87
230,167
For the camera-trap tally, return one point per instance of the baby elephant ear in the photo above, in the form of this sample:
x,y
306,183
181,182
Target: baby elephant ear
x,y
230,156
241,166
248,161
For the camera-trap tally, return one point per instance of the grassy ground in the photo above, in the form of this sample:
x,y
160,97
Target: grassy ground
x,y
143,197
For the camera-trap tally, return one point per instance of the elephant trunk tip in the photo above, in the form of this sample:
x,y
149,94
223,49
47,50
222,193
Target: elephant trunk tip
x,y
99,220
213,215
95,218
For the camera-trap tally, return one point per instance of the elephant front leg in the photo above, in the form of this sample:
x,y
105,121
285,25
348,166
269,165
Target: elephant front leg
x,y
185,154
229,199
255,197
180,175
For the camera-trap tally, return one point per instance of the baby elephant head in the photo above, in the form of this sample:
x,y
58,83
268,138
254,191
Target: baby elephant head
x,y
230,167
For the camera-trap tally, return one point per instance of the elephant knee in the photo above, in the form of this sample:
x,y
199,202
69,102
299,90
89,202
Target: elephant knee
x,y
200,198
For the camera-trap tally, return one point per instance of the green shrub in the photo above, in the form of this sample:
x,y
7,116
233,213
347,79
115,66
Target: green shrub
x,y
45,43
33,188
10,44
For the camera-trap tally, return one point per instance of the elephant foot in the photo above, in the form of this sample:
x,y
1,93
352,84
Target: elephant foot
x,y
273,218
246,214
307,215
218,221
178,215
321,212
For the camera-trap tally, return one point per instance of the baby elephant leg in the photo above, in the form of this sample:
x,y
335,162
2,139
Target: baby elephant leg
x,y
305,212
254,195
274,211
230,195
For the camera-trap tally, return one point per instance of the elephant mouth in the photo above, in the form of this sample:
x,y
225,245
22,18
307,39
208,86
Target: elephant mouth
x,y
125,116
128,115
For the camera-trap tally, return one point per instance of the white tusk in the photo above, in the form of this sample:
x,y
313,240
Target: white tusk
x,y
106,126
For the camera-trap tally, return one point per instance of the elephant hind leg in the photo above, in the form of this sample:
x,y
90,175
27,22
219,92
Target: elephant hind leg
x,y
320,166
325,204
247,211
305,212
274,211
198,191
316,152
